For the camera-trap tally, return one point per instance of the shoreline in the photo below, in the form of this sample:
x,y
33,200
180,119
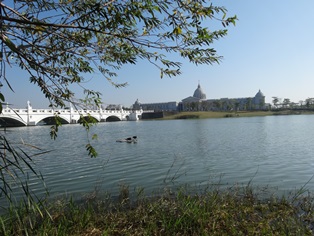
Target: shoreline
x,y
230,114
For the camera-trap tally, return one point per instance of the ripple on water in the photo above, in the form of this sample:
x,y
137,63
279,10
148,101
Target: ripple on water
x,y
273,151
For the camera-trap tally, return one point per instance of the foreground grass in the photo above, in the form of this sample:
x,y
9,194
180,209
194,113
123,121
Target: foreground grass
x,y
237,211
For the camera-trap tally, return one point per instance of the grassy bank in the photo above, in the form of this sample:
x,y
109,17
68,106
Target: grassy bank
x,y
224,114
236,211
215,114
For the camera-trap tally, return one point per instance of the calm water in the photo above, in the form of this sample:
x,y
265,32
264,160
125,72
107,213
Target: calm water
x,y
277,151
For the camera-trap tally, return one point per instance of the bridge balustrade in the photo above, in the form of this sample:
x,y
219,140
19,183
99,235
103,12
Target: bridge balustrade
x,y
30,116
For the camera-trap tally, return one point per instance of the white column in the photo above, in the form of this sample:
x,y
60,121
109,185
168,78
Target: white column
x,y
29,114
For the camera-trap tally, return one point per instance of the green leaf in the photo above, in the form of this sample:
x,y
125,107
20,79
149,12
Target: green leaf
x,y
2,97
177,31
91,150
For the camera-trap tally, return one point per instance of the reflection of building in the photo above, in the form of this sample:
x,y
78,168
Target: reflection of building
x,y
198,102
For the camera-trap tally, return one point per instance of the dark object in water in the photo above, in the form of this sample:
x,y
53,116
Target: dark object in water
x,y
132,139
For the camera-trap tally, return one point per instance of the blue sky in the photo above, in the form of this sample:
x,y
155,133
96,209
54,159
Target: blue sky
x,y
271,48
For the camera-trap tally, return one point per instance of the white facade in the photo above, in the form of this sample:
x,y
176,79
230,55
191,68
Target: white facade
x,y
198,102
31,117
161,106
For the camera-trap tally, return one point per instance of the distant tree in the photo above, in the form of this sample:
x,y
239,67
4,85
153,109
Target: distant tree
x,y
194,106
187,106
231,104
261,104
236,106
286,102
205,105
224,104
217,104
275,101
248,104
309,102
293,104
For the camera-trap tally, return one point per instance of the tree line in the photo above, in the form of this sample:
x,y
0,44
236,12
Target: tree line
x,y
286,103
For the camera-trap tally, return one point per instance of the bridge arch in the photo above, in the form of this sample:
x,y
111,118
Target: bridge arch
x,y
112,118
90,118
11,122
50,120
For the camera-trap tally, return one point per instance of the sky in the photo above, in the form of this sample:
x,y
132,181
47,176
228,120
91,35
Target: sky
x,y
271,49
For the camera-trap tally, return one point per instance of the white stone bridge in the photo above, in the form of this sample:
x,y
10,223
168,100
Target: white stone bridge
x,y
32,117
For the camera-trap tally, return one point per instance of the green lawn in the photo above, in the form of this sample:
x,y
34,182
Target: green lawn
x,y
224,114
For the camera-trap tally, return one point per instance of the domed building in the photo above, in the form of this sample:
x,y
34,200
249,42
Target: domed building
x,y
259,99
198,102
246,103
199,93
193,102
137,105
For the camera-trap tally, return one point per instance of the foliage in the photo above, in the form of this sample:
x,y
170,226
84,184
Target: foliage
x,y
286,102
16,167
275,101
60,42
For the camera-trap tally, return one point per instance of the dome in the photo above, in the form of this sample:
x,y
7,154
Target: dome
x,y
199,93
259,94
137,102
137,105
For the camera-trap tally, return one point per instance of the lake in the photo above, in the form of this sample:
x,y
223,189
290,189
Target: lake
x,y
274,151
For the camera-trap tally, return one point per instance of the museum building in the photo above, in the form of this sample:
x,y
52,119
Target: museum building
x,y
198,102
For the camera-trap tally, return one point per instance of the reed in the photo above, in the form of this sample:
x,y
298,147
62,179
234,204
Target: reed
x,y
234,211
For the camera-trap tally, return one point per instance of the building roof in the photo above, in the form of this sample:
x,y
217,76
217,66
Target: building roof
x,y
259,94
190,99
198,93
137,102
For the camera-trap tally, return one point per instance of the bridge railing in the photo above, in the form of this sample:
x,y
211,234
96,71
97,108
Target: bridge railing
x,y
14,110
64,111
